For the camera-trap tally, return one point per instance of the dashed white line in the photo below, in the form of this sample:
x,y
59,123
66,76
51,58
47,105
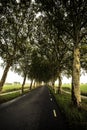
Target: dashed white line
x,y
24,95
54,113
49,94
50,99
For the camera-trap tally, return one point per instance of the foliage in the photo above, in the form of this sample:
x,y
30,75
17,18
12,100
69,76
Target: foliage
x,y
44,39
84,55
15,30
41,69
69,18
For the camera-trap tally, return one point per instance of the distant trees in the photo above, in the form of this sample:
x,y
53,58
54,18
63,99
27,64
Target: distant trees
x,y
40,68
55,47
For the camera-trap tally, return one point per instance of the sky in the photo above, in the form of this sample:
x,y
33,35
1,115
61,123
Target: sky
x,y
14,77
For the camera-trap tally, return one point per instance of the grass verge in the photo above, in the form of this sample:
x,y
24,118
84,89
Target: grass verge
x,y
76,118
13,94
10,96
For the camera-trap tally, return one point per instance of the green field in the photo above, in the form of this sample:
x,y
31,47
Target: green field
x,y
67,87
12,87
83,87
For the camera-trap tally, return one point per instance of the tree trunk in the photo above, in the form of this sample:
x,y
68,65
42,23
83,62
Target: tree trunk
x,y
3,79
31,84
60,83
24,80
34,84
53,85
76,98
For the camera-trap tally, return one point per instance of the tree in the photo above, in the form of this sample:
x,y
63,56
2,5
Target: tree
x,y
69,17
51,44
23,66
56,48
13,33
84,55
75,11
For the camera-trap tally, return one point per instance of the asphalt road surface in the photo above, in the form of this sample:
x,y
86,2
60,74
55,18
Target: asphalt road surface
x,y
37,110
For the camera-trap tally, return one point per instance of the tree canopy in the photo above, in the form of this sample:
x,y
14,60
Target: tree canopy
x,y
45,39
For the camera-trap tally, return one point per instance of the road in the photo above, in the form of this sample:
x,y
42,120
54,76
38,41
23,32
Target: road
x,y
37,110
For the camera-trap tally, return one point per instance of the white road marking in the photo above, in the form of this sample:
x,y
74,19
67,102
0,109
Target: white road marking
x,y
49,94
54,113
50,99
24,95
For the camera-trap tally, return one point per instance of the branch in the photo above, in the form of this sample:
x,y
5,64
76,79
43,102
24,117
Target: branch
x,y
83,35
83,24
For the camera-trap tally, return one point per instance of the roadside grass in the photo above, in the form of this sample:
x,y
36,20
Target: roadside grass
x,y
4,97
75,117
83,88
10,96
15,89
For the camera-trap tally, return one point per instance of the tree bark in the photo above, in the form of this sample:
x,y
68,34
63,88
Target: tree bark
x,y
3,79
76,98
53,85
34,84
31,84
60,83
24,80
